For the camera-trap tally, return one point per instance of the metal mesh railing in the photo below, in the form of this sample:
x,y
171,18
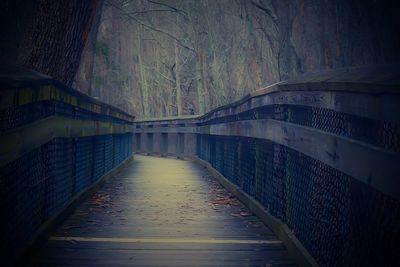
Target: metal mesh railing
x,y
39,184
336,217
379,133
37,179
83,163
231,159
247,170
17,116
22,194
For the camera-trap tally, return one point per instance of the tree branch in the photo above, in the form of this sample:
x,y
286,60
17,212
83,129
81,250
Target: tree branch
x,y
162,75
267,11
171,7
151,27
151,10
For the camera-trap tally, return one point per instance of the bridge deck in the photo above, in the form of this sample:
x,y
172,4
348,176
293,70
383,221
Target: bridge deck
x,y
161,211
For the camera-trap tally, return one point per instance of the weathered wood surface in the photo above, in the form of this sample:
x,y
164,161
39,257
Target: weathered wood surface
x,y
370,92
16,142
374,166
165,212
20,86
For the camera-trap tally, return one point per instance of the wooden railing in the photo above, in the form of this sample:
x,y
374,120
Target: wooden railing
x,y
57,145
319,155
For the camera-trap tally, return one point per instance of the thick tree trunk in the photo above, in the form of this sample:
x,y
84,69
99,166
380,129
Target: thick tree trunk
x,y
47,36
84,75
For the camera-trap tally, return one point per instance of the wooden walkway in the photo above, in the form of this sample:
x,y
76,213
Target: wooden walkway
x,y
162,212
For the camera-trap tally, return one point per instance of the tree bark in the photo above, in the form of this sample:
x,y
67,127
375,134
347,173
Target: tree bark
x,y
54,39
178,80
84,75
143,82
204,78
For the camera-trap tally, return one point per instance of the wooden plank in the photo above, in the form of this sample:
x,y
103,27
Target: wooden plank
x,y
382,107
158,129
164,246
19,141
372,165
160,212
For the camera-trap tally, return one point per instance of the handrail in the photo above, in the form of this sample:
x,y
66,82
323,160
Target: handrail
x,y
384,81
56,146
223,121
327,141
31,80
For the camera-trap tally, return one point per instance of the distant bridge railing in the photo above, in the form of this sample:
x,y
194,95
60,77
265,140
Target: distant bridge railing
x,y
320,154
56,143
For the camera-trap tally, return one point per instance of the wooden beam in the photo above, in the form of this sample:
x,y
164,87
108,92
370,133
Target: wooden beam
x,y
372,165
17,142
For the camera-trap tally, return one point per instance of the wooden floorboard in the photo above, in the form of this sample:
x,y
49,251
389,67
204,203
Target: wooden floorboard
x,y
162,212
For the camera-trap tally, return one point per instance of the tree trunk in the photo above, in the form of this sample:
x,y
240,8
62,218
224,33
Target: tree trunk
x,y
200,93
84,75
178,80
54,38
204,78
143,82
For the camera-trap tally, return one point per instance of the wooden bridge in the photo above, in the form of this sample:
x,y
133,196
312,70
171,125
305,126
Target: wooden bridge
x,y
304,172
167,212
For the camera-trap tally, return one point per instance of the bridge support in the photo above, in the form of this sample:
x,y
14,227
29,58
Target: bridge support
x,y
149,143
137,145
164,144
180,145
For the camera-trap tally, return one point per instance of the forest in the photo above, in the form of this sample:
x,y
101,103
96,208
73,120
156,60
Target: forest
x,y
162,58
182,57
200,132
